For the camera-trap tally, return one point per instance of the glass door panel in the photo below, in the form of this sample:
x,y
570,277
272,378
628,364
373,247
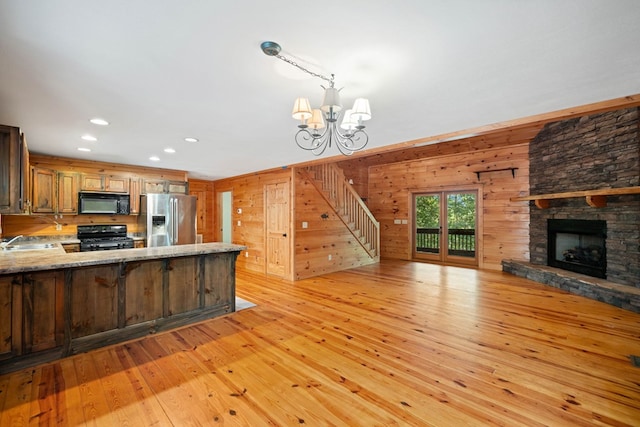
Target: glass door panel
x,y
444,227
428,225
461,224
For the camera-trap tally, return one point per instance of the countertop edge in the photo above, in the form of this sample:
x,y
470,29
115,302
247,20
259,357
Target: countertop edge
x,y
53,259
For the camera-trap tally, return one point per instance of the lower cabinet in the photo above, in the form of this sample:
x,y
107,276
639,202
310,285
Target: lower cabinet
x,y
46,315
32,313
10,316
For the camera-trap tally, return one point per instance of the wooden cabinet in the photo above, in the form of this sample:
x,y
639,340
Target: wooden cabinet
x,y
177,187
134,196
164,186
54,192
67,193
43,190
10,316
14,171
108,183
32,314
43,310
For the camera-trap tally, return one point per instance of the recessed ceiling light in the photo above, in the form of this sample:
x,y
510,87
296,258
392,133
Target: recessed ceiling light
x,y
189,139
86,150
89,138
154,158
98,121
169,150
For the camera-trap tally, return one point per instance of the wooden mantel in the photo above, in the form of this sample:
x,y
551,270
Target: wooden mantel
x,y
594,198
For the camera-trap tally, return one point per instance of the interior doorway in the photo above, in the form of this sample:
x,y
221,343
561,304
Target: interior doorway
x,y
226,215
445,227
277,229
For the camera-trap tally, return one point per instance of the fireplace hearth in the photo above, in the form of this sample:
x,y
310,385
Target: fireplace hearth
x,y
578,246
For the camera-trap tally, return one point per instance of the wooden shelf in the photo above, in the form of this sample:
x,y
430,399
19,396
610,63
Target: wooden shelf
x,y
594,198
513,171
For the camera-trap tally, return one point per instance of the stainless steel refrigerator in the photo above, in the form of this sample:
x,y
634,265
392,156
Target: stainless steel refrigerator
x,y
170,219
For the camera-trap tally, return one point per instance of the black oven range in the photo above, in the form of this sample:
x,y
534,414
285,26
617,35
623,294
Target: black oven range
x,y
103,237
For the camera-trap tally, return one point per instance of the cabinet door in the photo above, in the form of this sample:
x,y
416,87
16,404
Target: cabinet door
x,y
10,316
91,182
12,176
43,312
134,196
43,196
153,186
67,193
178,187
116,184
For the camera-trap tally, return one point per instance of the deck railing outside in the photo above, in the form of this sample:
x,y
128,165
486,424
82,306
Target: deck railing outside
x,y
461,241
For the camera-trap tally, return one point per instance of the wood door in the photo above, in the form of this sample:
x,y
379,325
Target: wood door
x,y
44,190
277,229
67,193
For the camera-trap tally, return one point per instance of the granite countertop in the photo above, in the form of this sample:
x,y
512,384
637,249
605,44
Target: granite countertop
x,y
57,258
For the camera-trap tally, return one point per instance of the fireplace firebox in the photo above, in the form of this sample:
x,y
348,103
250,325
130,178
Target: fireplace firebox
x,y
578,245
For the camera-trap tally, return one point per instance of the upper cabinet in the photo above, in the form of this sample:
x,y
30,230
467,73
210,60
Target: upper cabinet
x,y
108,183
43,190
14,171
164,186
54,192
134,196
67,192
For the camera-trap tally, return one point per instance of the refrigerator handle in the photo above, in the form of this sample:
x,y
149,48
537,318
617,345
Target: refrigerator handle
x,y
175,221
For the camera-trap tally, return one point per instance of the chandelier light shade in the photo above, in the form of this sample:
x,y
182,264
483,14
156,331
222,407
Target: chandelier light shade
x,y
301,109
318,128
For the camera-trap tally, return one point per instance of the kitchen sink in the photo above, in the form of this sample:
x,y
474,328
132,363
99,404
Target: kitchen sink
x,y
31,247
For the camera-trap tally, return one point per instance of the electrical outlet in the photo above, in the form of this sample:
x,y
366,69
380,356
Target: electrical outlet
x,y
305,224
246,254
330,257
239,223
397,221
58,227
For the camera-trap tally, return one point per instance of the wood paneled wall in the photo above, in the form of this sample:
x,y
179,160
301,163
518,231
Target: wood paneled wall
x,y
504,224
203,190
248,195
323,237
44,225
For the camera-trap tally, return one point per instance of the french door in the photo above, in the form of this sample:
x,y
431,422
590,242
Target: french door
x,y
444,227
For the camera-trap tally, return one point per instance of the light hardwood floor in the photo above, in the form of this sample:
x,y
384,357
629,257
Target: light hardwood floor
x,y
397,343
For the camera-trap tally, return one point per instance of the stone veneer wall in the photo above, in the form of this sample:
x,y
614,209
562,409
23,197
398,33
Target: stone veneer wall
x,y
588,153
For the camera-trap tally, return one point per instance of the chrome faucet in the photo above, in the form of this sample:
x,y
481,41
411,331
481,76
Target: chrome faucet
x,y
5,245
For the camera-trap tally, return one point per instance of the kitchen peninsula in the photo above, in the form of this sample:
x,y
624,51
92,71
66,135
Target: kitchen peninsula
x,y
54,304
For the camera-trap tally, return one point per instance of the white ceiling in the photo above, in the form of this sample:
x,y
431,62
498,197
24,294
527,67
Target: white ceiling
x,y
162,70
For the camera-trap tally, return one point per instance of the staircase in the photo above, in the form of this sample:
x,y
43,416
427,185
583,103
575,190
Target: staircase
x,y
330,181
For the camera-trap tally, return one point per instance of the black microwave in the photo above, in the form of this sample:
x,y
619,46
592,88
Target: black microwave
x,y
103,203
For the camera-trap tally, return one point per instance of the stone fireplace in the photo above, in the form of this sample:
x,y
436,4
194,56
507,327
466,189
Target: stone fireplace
x,y
601,151
589,153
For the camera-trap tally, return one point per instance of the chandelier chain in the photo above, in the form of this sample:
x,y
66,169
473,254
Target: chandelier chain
x,y
300,67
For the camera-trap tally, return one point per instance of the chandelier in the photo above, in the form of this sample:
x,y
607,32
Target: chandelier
x,y
318,128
